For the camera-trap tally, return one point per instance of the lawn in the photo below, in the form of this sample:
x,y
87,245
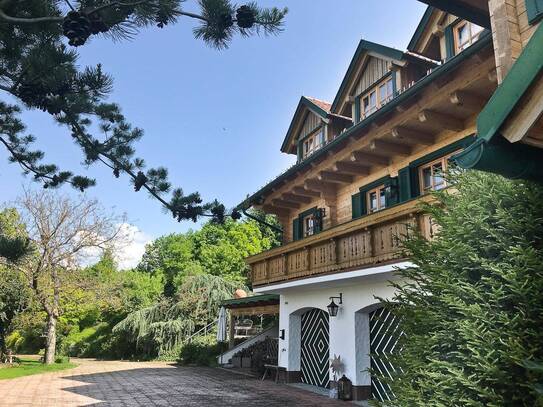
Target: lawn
x,y
32,366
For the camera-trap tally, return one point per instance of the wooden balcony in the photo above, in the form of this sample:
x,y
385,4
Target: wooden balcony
x,y
371,240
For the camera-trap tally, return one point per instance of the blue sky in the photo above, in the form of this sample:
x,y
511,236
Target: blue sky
x,y
216,119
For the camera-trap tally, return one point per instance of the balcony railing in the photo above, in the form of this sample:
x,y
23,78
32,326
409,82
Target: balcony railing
x,y
361,243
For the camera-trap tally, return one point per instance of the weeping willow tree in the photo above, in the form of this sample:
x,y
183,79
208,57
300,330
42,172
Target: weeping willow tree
x,y
163,327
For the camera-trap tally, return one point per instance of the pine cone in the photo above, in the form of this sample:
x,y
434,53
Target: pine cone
x,y
76,27
140,180
225,21
245,17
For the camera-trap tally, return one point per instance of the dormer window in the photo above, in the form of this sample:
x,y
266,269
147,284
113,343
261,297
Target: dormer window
x,y
376,97
465,34
314,142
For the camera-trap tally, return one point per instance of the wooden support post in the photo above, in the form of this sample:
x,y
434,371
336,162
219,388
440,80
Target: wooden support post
x,y
231,331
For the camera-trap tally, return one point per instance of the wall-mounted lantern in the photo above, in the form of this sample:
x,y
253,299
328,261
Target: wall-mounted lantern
x,y
333,307
282,334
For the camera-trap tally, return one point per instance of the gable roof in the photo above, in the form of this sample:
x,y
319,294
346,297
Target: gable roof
x,y
423,23
319,107
365,47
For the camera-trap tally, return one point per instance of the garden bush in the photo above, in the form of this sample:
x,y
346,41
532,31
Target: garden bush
x,y
201,351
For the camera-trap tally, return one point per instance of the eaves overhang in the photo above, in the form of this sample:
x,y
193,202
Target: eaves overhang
x,y
463,9
491,152
447,67
421,28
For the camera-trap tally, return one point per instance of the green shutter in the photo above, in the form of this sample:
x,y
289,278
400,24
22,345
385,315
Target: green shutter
x,y
300,150
356,205
534,9
404,184
414,180
318,224
449,42
296,229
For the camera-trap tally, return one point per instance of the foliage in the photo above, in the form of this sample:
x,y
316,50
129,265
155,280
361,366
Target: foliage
x,y
38,67
472,308
31,367
14,292
201,351
217,249
166,325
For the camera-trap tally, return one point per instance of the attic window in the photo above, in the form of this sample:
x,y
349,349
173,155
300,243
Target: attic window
x,y
376,98
313,143
465,34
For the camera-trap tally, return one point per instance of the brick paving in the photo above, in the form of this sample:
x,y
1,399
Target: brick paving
x,y
149,384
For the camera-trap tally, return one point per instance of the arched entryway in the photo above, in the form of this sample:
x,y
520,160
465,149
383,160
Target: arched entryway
x,y
315,347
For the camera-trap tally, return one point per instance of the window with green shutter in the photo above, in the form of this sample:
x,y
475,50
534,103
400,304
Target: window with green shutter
x,y
534,9
356,201
449,42
296,229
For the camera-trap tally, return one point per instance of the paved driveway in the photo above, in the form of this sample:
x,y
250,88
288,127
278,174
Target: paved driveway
x,y
149,384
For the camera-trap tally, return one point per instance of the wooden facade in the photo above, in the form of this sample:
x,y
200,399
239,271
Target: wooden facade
x,y
325,203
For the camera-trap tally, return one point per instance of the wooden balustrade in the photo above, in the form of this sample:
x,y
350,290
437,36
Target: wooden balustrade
x,y
361,243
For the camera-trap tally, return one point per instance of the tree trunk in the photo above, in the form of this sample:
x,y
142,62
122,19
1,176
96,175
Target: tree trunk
x,y
3,349
51,339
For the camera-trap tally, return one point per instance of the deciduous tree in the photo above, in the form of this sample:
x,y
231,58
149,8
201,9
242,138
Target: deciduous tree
x,y
62,232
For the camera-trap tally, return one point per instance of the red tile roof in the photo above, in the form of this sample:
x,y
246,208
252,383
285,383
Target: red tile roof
x,y
320,103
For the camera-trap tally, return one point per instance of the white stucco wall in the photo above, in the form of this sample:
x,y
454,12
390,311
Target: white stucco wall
x,y
359,294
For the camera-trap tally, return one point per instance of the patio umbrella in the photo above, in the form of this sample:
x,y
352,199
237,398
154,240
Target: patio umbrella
x,y
221,325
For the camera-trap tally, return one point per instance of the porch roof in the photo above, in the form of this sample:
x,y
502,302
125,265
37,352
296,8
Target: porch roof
x,y
252,301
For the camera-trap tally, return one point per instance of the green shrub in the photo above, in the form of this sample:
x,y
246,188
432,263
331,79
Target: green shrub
x,y
62,359
201,351
15,341
472,308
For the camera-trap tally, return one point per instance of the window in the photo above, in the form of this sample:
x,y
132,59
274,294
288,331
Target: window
x,y
376,199
314,142
309,225
466,33
311,221
534,9
377,97
431,175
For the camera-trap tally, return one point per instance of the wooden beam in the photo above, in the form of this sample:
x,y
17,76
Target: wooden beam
x,y
343,167
296,198
285,204
324,188
467,100
335,177
366,158
306,192
390,149
441,120
410,136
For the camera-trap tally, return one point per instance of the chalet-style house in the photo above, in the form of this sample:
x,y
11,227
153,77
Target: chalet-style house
x,y
468,86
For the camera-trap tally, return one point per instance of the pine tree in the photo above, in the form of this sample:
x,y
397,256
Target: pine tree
x,y
38,53
472,309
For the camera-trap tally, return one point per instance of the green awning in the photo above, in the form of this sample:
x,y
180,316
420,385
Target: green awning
x,y
495,154
252,301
